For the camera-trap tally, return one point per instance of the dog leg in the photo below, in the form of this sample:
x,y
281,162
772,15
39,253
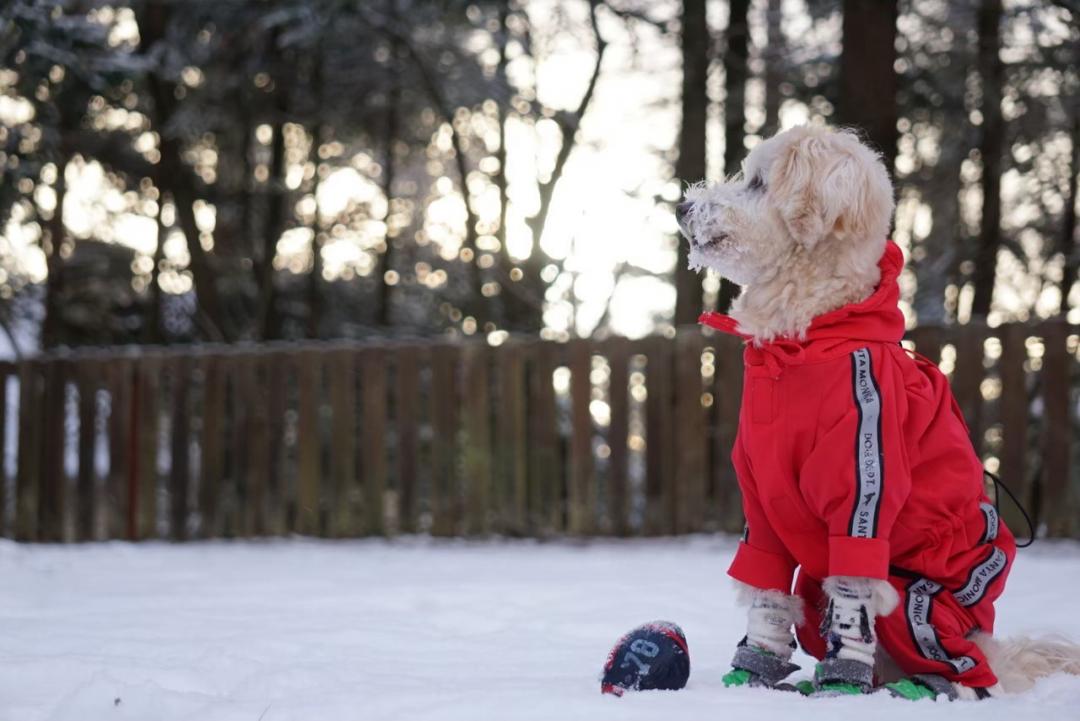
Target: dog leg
x,y
763,657
850,638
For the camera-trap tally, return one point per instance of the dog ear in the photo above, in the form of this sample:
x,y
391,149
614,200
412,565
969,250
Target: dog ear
x,y
794,186
829,184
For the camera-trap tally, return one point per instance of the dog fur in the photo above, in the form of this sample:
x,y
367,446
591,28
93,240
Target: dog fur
x,y
801,229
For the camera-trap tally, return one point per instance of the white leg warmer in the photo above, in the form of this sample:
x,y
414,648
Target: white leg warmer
x,y
770,619
854,603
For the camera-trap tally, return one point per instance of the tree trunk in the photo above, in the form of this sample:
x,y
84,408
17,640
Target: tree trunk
x,y
736,72
391,132
690,166
939,249
152,330
774,61
52,327
1070,240
314,289
275,225
177,179
991,76
868,81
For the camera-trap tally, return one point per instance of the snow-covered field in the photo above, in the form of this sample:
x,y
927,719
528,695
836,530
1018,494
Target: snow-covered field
x,y
418,629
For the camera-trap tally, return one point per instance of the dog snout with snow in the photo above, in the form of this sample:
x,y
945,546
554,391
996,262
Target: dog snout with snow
x,y
870,536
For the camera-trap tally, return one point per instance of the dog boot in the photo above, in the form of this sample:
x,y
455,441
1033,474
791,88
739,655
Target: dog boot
x,y
763,657
850,641
755,666
933,686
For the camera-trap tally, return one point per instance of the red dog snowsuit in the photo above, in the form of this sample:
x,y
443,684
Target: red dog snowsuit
x,y
854,460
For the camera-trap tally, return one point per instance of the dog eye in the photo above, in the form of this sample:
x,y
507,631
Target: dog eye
x,y
756,183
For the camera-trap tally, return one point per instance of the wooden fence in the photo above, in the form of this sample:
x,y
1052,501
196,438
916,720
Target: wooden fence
x,y
528,438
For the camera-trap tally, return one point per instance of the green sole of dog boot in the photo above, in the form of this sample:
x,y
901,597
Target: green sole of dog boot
x,y
737,677
826,690
910,690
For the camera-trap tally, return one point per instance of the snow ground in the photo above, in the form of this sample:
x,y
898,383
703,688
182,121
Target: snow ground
x,y
418,629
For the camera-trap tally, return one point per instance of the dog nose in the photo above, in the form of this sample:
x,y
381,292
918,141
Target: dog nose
x,y
682,209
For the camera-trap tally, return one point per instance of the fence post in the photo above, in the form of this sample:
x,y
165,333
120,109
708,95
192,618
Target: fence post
x,y
967,383
476,451
277,385
692,436
727,390
659,495
445,493
618,495
342,441
28,477
1014,422
148,372
1057,362
180,471
6,371
546,470
51,504
373,391
308,500
407,396
582,488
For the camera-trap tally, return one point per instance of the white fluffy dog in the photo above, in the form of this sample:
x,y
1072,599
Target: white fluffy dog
x,y
854,465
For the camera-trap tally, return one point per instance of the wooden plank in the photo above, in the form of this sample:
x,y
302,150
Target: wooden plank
x,y
277,396
257,451
511,440
308,497
233,491
180,468
727,391
342,374
148,373
659,498
692,439
407,395
1059,503
967,379
476,444
120,432
373,392
1013,468
445,492
581,499
27,478
7,370
547,474
618,486
51,506
86,480
211,471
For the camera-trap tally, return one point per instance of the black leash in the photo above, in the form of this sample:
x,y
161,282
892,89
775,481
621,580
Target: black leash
x,y
998,486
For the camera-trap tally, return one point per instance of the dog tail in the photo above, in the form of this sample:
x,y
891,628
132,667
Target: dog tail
x,y
1020,660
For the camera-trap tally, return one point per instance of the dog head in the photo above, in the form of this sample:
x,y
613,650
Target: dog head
x,y
807,190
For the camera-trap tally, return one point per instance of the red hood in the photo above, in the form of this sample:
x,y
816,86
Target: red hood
x,y
876,319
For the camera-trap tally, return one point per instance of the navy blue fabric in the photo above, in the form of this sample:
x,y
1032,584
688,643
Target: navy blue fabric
x,y
652,656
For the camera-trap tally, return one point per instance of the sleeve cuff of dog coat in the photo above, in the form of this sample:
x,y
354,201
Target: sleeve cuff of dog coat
x,y
761,569
867,557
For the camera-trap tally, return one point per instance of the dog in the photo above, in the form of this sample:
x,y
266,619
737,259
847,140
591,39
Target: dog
x,y
853,458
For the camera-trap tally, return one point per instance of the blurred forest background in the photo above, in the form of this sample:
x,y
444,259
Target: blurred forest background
x,y
192,171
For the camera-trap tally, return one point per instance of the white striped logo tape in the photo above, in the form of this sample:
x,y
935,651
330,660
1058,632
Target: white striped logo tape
x,y
991,515
869,467
920,600
981,577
